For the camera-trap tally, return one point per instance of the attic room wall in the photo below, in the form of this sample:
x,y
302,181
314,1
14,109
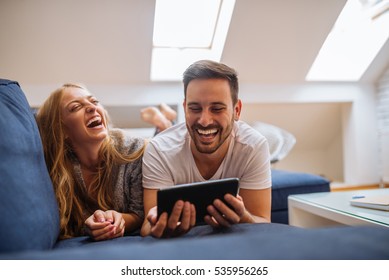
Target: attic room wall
x,y
107,46
383,125
317,129
360,139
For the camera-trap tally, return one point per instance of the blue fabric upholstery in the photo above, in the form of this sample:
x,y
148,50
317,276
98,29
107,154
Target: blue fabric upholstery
x,y
242,241
285,183
27,199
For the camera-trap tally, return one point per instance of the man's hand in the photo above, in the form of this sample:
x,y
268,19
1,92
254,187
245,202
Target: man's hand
x,y
222,215
104,225
181,220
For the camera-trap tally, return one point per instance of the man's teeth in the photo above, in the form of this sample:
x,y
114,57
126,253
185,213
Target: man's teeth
x,y
95,119
207,132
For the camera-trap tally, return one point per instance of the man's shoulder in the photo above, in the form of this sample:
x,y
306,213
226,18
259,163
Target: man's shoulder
x,y
170,139
247,135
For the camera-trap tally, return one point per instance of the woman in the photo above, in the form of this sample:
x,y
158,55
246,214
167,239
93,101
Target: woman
x,y
96,171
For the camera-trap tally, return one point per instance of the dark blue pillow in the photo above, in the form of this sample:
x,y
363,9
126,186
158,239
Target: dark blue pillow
x,y
285,183
28,206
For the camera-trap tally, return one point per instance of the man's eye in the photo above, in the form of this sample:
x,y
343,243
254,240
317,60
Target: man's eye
x,y
95,101
195,109
217,109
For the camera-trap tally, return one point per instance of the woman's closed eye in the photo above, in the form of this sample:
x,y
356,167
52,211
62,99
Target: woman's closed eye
x,y
75,107
95,101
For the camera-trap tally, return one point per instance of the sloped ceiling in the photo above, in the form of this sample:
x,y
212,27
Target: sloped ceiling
x,y
277,41
109,42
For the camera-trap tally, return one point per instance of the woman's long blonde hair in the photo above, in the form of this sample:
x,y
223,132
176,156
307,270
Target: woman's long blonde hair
x,y
59,157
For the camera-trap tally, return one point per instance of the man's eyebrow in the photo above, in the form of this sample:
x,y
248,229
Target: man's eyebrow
x,y
193,103
219,103
212,103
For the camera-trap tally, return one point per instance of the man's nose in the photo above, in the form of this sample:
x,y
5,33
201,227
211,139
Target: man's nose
x,y
205,118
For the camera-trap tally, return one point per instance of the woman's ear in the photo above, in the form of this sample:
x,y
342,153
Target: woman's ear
x,y
237,110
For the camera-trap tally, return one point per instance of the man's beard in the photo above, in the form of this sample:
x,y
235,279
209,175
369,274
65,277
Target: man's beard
x,y
220,137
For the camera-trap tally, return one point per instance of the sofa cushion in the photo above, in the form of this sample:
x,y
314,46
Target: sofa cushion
x,y
239,242
27,201
285,183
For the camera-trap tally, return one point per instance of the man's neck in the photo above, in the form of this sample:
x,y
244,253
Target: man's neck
x,y
208,164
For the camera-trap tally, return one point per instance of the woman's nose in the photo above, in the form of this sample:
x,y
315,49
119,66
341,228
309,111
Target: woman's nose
x,y
90,108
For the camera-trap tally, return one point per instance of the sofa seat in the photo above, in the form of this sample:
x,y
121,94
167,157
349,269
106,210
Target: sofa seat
x,y
240,242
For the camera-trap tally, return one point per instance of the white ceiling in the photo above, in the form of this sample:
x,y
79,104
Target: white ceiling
x,y
109,42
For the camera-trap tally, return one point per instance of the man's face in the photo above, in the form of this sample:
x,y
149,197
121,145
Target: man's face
x,y
209,113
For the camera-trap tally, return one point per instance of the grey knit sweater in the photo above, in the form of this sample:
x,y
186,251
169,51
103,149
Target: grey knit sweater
x,y
128,190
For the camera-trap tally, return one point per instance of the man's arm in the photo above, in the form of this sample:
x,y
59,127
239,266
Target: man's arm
x,y
149,201
257,204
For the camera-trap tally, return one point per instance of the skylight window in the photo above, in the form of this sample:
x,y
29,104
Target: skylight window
x,y
357,36
186,31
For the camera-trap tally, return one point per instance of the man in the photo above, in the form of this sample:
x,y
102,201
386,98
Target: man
x,y
212,144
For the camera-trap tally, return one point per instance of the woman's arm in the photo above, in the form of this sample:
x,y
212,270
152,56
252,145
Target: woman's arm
x,y
132,222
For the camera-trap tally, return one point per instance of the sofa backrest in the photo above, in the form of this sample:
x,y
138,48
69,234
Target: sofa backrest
x,y
28,207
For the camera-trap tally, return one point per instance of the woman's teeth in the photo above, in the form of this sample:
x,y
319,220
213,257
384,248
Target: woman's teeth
x,y
94,122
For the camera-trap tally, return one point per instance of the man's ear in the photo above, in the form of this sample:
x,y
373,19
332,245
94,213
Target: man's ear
x,y
237,110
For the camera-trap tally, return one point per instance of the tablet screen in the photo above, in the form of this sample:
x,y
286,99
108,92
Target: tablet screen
x,y
201,194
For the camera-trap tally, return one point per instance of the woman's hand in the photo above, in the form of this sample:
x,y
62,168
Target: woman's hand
x,y
103,225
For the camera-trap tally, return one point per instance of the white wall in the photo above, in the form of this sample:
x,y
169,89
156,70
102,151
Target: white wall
x,y
360,139
383,125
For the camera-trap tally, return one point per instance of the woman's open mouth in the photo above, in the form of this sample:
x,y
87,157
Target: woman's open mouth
x,y
95,122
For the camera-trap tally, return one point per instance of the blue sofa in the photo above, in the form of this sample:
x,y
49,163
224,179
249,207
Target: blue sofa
x,y
285,183
30,221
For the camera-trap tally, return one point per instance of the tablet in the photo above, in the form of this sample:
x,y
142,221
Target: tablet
x,y
201,194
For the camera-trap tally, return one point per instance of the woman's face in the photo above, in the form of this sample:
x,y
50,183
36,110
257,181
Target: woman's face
x,y
83,117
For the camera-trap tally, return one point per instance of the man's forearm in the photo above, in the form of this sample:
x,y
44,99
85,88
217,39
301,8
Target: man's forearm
x,y
251,219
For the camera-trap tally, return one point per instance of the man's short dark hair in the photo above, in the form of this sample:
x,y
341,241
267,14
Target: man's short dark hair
x,y
208,69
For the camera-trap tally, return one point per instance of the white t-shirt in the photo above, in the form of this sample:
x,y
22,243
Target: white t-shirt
x,y
168,159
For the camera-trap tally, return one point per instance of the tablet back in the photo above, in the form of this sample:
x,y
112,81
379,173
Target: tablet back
x,y
201,194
